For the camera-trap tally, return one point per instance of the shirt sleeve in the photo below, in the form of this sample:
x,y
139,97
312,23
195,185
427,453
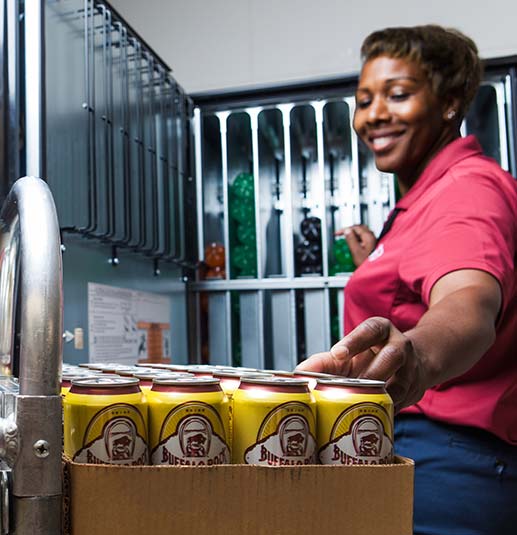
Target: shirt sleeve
x,y
469,224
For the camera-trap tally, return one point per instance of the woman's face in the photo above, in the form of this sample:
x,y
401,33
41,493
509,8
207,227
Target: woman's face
x,y
399,117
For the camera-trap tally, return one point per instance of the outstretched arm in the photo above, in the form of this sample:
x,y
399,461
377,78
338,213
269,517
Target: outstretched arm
x,y
449,339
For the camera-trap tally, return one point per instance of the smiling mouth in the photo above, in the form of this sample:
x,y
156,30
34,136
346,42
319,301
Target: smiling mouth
x,y
381,144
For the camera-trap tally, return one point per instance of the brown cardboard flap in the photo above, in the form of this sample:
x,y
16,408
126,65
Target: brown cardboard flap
x,y
242,500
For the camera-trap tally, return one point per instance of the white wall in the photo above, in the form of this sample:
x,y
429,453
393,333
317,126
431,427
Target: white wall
x,y
222,44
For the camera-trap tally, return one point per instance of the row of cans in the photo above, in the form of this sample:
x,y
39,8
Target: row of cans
x,y
202,415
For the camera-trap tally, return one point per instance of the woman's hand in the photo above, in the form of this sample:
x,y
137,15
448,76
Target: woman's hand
x,y
376,349
361,241
449,339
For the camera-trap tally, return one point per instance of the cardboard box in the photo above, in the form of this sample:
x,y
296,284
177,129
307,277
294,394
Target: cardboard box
x,y
240,499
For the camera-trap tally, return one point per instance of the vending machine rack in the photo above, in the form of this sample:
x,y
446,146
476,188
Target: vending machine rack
x,y
119,163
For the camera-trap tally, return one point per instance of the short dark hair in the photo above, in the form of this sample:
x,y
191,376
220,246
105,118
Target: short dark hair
x,y
448,57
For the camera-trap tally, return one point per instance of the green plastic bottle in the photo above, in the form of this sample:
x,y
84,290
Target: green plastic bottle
x,y
343,256
243,187
246,233
244,260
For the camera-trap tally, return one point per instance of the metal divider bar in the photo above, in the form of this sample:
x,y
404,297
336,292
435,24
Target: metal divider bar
x,y
288,258
228,331
321,211
283,338
510,123
218,321
316,321
194,334
253,113
252,328
355,160
341,309
270,283
320,187
293,325
501,119
223,117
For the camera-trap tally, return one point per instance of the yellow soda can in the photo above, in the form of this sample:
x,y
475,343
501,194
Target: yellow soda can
x,y
312,377
106,421
67,376
146,377
274,422
202,370
355,421
230,380
188,421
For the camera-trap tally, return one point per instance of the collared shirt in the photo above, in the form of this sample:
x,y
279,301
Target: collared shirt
x,y
460,214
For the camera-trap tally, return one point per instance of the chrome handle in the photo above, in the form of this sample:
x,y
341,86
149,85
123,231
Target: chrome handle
x,y
31,327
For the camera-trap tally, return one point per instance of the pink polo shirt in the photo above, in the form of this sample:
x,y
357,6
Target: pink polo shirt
x,y
460,214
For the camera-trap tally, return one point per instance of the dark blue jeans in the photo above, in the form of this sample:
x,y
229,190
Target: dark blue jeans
x,y
465,479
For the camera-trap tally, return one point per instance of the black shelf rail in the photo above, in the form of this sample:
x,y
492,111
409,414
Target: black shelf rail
x,y
139,163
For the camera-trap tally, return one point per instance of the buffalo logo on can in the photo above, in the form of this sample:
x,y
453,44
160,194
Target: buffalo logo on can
x,y
192,434
285,437
361,435
114,437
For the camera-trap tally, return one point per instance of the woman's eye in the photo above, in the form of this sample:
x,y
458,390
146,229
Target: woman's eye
x,y
362,104
399,96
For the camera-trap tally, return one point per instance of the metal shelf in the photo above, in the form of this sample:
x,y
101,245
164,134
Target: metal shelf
x,y
296,283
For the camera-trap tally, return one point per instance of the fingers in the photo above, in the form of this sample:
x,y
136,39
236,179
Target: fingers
x,y
404,389
360,230
375,349
387,361
324,363
361,362
368,334
397,391
366,237
355,245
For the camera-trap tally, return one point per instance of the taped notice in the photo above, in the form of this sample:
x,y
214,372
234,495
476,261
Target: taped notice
x,y
125,326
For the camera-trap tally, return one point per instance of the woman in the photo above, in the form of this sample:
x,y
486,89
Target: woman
x,y
433,309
